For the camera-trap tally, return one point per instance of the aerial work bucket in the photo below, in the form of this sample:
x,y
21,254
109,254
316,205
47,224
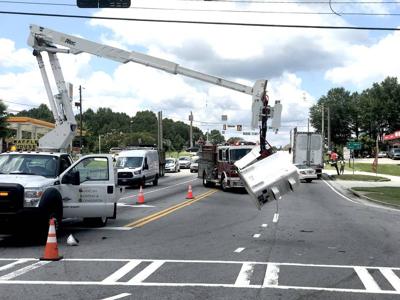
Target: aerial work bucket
x,y
269,178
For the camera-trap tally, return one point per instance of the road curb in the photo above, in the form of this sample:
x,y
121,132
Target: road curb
x,y
373,200
355,193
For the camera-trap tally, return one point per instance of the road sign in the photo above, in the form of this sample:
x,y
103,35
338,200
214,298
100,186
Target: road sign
x,y
354,145
346,153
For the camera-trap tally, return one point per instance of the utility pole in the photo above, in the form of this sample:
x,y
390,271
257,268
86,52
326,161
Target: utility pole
x,y
191,130
160,131
329,129
323,127
80,116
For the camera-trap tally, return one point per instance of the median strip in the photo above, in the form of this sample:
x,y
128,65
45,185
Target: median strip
x,y
168,210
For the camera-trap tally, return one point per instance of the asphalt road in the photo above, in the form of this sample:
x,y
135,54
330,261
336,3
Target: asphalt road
x,y
313,244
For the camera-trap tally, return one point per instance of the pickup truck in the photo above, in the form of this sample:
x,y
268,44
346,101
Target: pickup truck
x,y
35,186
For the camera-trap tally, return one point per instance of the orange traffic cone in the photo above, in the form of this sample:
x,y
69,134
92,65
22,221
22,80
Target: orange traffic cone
x,y
140,199
51,249
189,193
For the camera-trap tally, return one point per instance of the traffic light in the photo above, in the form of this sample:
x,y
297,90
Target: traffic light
x,y
224,127
239,127
103,3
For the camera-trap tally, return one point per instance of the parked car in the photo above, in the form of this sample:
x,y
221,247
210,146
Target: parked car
x,y
395,153
382,154
306,173
194,165
184,162
172,165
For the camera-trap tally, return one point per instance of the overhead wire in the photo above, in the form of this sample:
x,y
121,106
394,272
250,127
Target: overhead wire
x,y
297,26
333,12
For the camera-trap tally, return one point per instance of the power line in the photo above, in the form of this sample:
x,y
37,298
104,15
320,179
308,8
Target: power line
x,y
243,11
22,104
202,22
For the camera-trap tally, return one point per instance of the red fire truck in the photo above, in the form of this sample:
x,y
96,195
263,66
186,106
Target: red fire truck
x,y
216,164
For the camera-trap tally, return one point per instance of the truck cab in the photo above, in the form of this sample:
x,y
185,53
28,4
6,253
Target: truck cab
x,y
35,186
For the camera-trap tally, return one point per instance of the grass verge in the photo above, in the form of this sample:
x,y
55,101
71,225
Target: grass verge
x,y
358,177
390,195
363,167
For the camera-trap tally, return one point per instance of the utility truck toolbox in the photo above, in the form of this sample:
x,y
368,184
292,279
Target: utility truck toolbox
x,y
269,178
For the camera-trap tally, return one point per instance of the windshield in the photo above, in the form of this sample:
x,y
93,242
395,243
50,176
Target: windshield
x,y
169,161
43,165
236,154
129,162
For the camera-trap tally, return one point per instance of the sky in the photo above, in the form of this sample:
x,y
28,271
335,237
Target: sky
x,y
300,64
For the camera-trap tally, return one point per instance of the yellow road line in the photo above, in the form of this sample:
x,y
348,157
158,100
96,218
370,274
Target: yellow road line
x,y
168,210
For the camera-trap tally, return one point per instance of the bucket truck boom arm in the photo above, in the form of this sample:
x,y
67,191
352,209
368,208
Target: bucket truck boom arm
x,y
44,39
281,179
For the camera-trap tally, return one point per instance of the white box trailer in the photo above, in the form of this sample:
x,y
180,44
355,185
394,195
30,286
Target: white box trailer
x,y
307,150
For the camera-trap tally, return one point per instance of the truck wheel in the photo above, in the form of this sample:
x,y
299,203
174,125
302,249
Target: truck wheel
x,y
155,181
96,222
224,187
51,207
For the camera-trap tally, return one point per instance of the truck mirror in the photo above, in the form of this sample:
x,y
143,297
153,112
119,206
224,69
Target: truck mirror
x,y
269,178
72,177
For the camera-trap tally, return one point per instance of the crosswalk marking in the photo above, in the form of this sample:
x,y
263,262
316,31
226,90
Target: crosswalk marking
x,y
367,280
393,279
271,275
243,279
122,271
13,264
146,272
245,273
23,270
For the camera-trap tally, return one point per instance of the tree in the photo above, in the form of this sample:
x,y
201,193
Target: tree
x,y
3,120
42,113
340,103
216,137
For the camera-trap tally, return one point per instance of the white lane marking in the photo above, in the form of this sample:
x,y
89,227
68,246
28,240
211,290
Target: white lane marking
x,y
257,235
24,270
122,271
160,189
393,279
276,218
11,265
98,228
238,250
146,272
245,273
156,284
264,225
367,280
208,262
271,275
341,195
123,295
134,205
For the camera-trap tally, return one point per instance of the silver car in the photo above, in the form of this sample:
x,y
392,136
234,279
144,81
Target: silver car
x,y
184,162
172,165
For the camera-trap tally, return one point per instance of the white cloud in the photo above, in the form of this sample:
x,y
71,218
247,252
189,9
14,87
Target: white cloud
x,y
367,64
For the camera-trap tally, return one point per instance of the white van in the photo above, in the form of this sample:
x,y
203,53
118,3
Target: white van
x,y
138,167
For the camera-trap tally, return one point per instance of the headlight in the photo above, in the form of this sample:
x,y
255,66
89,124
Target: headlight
x,y
32,197
137,172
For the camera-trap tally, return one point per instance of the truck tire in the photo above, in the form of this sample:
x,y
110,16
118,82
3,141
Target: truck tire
x,y
51,207
224,187
96,222
207,183
155,181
